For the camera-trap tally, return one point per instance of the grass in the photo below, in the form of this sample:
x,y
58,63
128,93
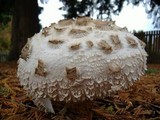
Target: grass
x,y
152,71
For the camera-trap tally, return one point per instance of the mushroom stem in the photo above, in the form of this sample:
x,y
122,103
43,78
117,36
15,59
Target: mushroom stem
x,y
46,102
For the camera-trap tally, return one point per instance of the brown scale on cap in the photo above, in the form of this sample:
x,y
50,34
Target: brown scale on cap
x,y
114,68
71,73
105,46
115,41
45,31
131,41
78,33
53,24
89,28
100,23
89,44
103,25
75,46
25,51
59,29
56,41
65,22
142,44
40,70
83,21
123,29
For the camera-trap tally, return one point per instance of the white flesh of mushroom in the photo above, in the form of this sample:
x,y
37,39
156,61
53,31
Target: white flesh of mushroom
x,y
81,59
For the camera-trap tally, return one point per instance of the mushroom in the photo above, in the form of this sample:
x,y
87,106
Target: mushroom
x,y
86,59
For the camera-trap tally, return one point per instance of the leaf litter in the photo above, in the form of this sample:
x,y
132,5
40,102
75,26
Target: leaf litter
x,y
139,102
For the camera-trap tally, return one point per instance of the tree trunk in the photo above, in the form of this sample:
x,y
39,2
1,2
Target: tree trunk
x,y
25,23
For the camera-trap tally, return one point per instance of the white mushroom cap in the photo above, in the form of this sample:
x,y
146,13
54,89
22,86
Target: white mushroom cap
x,y
81,59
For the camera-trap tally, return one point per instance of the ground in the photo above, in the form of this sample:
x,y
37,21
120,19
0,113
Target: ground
x,y
139,102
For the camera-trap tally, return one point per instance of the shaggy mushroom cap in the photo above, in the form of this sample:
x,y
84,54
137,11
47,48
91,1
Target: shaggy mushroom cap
x,y
80,59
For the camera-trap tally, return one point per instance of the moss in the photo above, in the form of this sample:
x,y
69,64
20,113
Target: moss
x,y
5,36
3,91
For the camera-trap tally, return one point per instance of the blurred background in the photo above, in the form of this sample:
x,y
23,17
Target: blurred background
x,y
21,19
